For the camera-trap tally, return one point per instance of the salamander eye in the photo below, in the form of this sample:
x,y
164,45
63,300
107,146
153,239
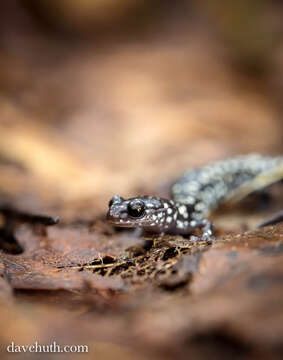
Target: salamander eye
x,y
136,208
116,199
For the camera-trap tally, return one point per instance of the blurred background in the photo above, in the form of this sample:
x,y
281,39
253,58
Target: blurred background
x,y
102,97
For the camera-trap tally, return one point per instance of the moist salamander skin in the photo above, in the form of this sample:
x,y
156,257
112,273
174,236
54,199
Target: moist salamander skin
x,y
194,196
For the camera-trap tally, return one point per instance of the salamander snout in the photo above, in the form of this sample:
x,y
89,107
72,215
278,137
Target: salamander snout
x,y
116,209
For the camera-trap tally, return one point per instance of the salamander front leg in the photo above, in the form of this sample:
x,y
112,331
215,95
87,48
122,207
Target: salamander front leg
x,y
206,229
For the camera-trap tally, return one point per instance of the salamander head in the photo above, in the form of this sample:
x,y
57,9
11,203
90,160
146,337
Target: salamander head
x,y
147,212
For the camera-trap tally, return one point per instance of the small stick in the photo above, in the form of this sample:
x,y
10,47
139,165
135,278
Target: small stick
x,y
275,219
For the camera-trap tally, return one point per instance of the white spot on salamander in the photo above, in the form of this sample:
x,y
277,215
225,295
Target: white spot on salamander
x,y
200,206
180,224
190,200
182,209
185,215
192,186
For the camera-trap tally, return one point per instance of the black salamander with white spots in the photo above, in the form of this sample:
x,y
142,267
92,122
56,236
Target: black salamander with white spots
x,y
194,196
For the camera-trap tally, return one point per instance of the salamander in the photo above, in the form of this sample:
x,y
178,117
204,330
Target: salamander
x,y
195,195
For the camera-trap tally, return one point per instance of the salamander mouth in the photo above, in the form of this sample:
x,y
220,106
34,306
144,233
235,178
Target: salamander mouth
x,y
121,224
116,222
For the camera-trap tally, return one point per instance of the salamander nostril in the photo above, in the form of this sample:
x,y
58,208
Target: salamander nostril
x,y
117,199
